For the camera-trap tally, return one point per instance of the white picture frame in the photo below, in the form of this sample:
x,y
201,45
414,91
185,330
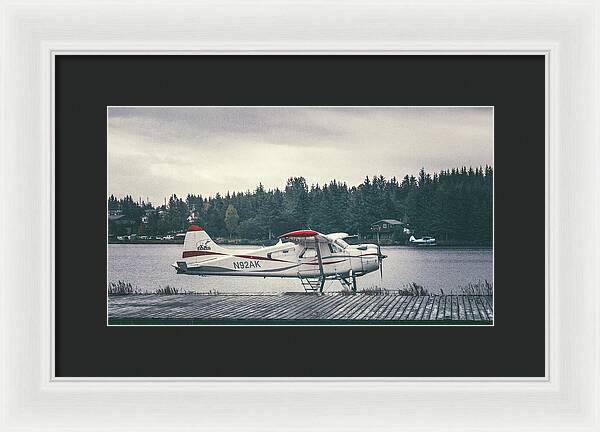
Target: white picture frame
x,y
567,33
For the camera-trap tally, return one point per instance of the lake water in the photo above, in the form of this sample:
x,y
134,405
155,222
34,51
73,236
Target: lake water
x,y
148,267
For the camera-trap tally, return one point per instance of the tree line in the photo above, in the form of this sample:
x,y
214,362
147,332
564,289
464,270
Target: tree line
x,y
454,206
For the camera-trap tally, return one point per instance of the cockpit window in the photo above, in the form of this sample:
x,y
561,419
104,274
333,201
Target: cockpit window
x,y
309,252
341,243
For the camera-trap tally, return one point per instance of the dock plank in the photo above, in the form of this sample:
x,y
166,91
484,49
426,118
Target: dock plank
x,y
442,308
468,311
333,308
454,308
383,307
448,308
359,307
408,308
372,308
257,307
284,307
434,308
480,305
399,307
383,312
475,309
348,305
416,308
309,309
397,314
489,307
425,310
461,308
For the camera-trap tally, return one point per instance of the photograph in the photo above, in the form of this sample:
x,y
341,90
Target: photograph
x,y
300,215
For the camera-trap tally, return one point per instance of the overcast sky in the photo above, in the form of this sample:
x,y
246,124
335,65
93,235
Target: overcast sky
x,y
154,152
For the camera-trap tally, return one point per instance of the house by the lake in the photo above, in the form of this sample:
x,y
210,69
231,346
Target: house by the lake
x,y
383,230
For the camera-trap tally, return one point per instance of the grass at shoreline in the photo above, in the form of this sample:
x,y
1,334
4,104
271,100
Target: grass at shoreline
x,y
481,287
126,288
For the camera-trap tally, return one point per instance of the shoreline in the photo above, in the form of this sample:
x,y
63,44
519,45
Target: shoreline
x,y
267,243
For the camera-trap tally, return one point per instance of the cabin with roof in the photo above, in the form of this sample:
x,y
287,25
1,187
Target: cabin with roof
x,y
383,230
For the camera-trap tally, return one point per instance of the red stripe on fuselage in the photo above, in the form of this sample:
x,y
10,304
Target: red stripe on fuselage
x,y
260,258
325,263
189,254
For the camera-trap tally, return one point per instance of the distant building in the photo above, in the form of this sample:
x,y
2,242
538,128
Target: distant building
x,y
384,229
386,225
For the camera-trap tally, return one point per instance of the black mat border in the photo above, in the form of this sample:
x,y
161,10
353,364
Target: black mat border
x,y
85,346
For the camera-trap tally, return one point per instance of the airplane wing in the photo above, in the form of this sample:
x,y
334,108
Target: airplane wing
x,y
301,235
335,236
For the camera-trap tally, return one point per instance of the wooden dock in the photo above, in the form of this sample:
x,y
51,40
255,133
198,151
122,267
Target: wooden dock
x,y
199,309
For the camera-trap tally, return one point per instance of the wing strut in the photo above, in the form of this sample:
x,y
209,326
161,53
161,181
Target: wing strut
x,y
322,277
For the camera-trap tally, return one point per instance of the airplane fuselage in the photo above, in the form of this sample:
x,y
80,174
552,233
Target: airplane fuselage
x,y
306,254
282,260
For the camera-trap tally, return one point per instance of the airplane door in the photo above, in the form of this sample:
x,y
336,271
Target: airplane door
x,y
309,260
341,261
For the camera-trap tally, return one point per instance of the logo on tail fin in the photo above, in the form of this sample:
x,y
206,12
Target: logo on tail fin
x,y
203,245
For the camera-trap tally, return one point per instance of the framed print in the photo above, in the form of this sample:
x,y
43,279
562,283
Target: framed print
x,y
213,220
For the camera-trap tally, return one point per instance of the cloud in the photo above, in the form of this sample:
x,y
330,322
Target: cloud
x,y
200,124
157,151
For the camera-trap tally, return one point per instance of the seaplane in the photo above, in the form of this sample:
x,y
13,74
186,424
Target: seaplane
x,y
305,254
423,241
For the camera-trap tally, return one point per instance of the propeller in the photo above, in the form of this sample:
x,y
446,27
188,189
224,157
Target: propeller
x,y
380,257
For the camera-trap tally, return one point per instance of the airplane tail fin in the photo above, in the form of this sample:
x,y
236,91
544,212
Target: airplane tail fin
x,y
198,243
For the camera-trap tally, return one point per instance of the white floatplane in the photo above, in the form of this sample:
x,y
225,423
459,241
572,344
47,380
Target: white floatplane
x,y
305,254
423,241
